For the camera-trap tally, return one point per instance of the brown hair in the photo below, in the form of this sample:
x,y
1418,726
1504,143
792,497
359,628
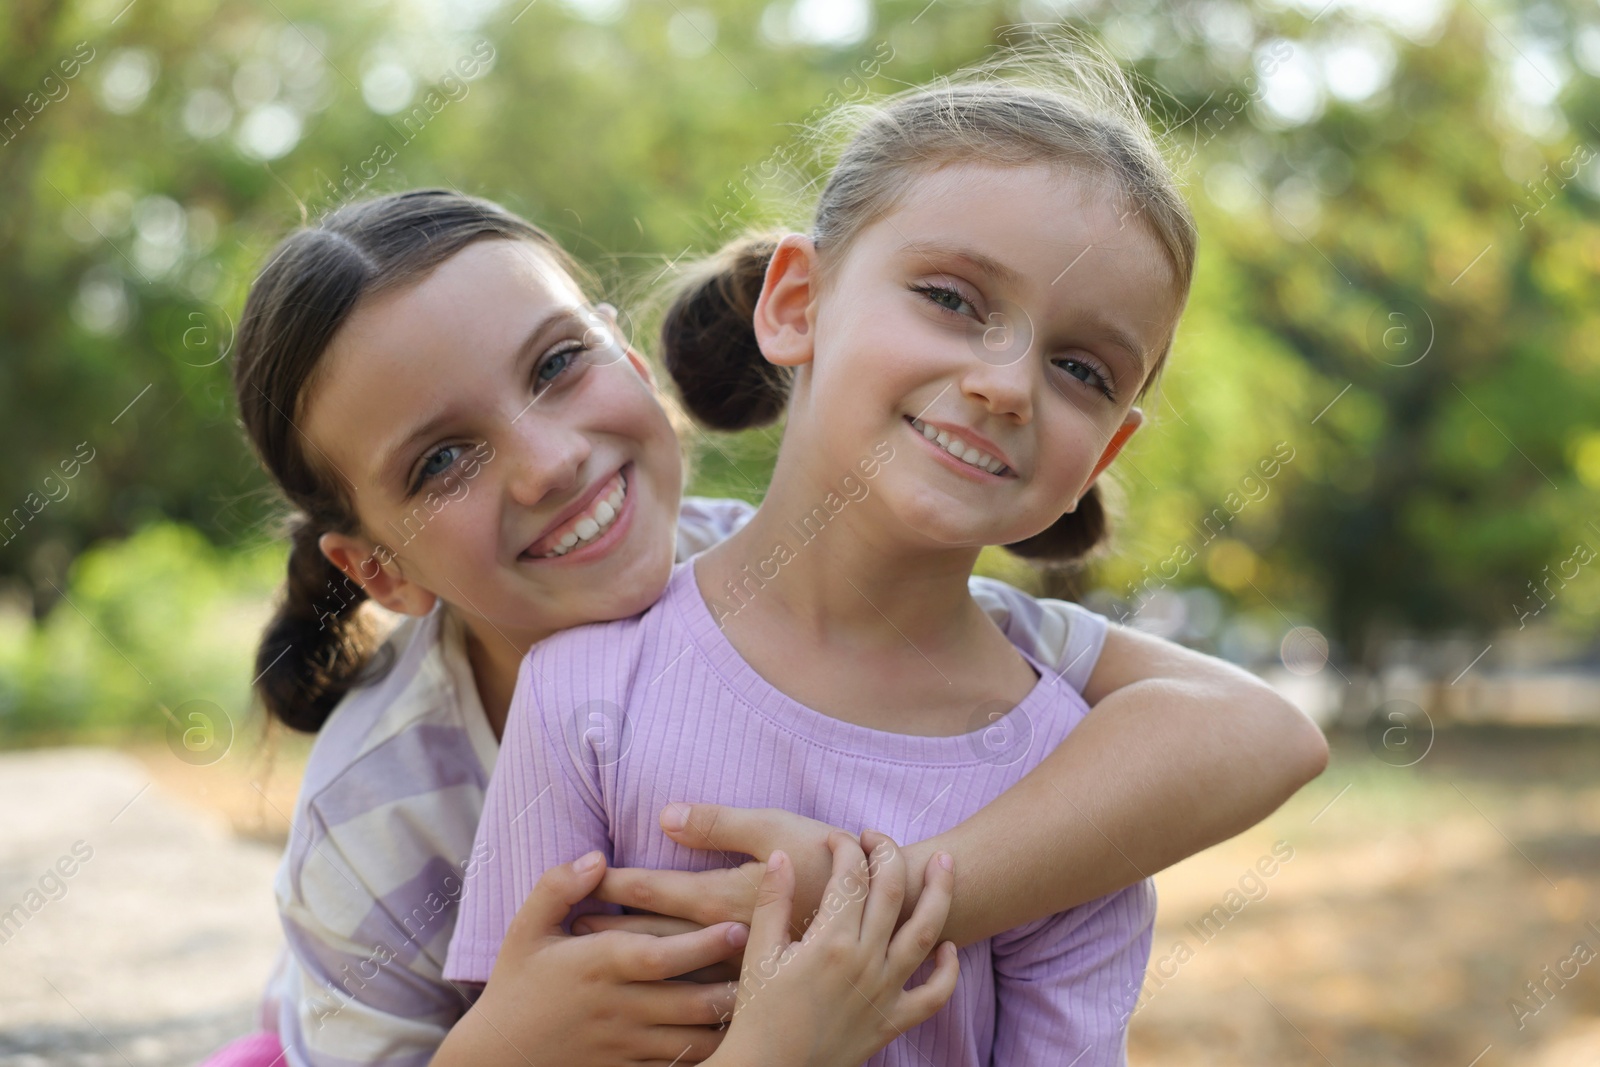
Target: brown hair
x,y
1069,108
316,646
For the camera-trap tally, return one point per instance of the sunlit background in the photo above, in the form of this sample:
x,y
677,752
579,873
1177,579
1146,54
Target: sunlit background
x,y
1372,473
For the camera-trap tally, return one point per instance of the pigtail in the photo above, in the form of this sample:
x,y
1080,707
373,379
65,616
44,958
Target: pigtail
x,y
1075,536
317,646
708,342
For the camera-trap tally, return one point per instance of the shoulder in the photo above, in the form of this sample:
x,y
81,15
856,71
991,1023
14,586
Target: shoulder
x,y
599,661
397,775
1058,633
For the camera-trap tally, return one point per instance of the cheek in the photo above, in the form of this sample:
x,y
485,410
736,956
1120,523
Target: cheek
x,y
460,539
1072,444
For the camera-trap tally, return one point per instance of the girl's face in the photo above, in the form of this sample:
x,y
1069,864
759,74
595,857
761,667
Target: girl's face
x,y
505,451
1013,313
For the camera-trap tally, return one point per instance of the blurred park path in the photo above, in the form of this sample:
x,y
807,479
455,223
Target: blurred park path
x,y
154,949
1386,917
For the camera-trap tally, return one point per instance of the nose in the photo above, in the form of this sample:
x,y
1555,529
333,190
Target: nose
x,y
544,458
1004,388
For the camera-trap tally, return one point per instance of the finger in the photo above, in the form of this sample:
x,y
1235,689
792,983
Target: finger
x,y
845,896
681,1003
726,971
718,826
557,890
705,897
887,891
920,933
674,1046
769,926
641,958
657,925
919,1005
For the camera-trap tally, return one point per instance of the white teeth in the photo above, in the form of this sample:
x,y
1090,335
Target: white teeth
x,y
591,525
959,448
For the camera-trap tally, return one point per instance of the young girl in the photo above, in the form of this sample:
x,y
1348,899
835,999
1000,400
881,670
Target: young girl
x,y
829,657
426,381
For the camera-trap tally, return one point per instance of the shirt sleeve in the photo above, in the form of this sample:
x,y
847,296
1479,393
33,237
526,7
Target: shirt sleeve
x,y
1067,985
355,988
703,522
1059,633
543,808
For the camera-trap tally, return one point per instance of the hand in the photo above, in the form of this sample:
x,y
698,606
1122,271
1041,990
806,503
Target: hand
x,y
600,999
838,994
662,926
729,895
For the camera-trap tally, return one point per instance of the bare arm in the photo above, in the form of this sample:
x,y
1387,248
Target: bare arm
x,y
1180,751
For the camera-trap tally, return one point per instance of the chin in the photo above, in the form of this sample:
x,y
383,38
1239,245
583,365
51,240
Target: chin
x,y
639,585
937,518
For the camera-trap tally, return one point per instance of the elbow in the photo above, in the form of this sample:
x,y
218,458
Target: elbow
x,y
1311,748
1299,749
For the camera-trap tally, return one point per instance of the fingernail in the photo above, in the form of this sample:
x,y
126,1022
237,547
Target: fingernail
x,y
946,862
775,861
581,927
738,935
585,864
675,817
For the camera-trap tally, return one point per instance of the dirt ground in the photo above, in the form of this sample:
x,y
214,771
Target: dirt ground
x,y
1386,916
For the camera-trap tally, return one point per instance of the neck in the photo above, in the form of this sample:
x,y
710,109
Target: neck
x,y
495,658
823,559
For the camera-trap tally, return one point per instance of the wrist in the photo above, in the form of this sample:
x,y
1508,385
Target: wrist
x,y
739,1049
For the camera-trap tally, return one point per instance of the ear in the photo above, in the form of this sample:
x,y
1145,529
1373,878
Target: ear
x,y
374,568
785,318
1132,422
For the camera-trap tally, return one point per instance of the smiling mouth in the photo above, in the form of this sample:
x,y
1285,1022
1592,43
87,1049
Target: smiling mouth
x,y
587,526
967,453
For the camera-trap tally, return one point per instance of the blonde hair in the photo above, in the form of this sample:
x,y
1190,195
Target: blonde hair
x,y
1064,106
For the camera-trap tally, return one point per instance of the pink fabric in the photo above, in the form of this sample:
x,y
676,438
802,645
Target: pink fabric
x,y
256,1050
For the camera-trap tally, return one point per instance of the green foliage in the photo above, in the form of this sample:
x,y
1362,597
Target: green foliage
x,y
161,149
145,625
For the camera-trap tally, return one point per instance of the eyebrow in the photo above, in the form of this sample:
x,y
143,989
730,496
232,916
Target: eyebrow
x,y
1120,338
972,257
395,470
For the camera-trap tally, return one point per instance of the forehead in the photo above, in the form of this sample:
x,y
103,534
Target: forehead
x,y
407,351
1068,236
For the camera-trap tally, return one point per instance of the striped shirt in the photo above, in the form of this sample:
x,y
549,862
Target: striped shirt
x,y
611,721
382,837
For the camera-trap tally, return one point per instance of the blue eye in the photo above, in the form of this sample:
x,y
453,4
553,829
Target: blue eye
x,y
945,297
551,368
1090,375
437,463
558,362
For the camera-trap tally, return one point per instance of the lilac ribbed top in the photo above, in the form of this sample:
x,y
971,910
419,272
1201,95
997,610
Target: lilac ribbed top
x,y
611,722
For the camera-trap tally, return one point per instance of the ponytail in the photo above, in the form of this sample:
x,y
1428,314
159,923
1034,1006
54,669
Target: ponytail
x,y
708,340
317,646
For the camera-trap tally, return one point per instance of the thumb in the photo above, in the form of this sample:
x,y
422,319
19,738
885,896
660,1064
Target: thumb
x,y
720,827
552,898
